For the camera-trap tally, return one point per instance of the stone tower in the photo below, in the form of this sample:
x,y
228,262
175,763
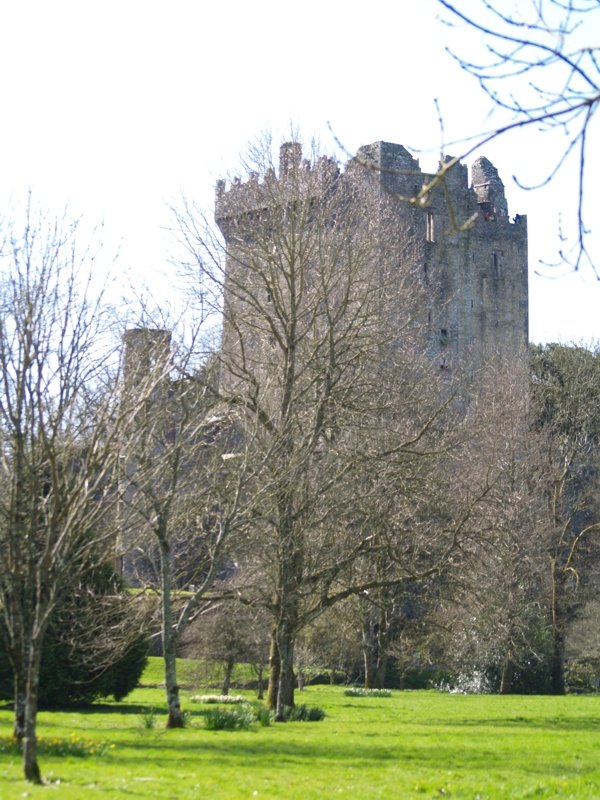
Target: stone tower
x,y
147,354
472,278
475,299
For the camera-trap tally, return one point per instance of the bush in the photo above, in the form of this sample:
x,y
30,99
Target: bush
x,y
533,677
582,676
78,665
304,714
474,682
229,719
426,678
264,716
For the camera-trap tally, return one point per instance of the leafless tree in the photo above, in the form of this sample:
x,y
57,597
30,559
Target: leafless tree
x,y
182,488
495,603
539,64
322,361
334,642
565,394
534,555
392,618
230,632
60,423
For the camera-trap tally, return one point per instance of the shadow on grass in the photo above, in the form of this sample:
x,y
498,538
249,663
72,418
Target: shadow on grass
x,y
92,708
241,754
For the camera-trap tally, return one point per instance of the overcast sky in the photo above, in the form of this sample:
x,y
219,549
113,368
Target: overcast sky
x,y
118,106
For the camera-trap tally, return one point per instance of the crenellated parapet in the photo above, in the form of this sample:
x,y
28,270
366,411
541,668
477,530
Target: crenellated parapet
x,y
390,165
296,177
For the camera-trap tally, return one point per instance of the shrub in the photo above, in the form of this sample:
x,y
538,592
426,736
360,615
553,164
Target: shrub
x,y
426,678
304,714
582,676
531,677
148,719
264,716
229,719
79,665
476,682
357,691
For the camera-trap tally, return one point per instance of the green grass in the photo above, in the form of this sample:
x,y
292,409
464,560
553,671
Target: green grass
x,y
410,745
191,672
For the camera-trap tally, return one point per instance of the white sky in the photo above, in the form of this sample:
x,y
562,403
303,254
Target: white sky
x,y
117,106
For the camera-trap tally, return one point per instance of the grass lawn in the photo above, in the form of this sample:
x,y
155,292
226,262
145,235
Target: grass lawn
x,y
411,745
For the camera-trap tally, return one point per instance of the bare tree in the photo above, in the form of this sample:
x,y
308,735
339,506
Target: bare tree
x,y
322,361
494,607
539,64
533,559
182,488
60,423
333,642
565,391
391,616
231,632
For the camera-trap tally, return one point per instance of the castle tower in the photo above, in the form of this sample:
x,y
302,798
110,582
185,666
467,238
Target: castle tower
x,y
474,275
470,279
147,355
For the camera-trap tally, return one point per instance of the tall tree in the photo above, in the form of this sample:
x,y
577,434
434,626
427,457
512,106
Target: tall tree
x,y
565,394
495,608
60,425
182,487
535,548
322,360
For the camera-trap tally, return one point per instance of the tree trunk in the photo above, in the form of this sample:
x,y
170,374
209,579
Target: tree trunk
x,y
229,665
19,701
369,668
274,669
506,675
175,718
557,664
260,683
380,672
369,648
285,688
30,763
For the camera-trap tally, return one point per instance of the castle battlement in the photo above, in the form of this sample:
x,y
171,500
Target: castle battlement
x,y
296,177
389,164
